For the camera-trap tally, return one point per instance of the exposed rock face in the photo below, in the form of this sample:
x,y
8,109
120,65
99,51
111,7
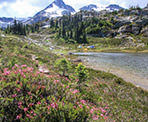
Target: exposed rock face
x,y
144,31
125,29
121,23
143,21
136,29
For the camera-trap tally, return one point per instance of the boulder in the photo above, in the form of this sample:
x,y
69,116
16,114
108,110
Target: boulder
x,y
43,69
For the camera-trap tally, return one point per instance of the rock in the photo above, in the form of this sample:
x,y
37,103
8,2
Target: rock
x,y
2,35
62,54
136,29
128,42
70,53
34,57
121,36
144,31
143,21
141,45
43,69
125,29
121,23
111,34
77,60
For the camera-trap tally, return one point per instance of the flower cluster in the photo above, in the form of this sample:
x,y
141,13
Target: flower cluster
x,y
31,95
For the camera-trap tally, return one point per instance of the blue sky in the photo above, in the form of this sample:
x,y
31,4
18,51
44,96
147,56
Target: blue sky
x,y
26,8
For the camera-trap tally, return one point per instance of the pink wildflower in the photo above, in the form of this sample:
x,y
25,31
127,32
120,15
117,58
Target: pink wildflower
x,y
105,117
56,81
14,95
43,87
102,115
16,65
29,93
31,104
75,91
80,106
18,116
29,116
24,65
25,109
18,89
6,72
92,111
19,103
38,102
103,111
53,105
95,117
31,112
83,101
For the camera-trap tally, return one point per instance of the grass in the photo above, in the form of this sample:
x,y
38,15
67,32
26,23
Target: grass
x,y
125,102
105,45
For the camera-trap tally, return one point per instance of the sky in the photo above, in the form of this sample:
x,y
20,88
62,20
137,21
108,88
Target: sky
x,y
28,8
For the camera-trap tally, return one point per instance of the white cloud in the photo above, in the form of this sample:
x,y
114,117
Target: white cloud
x,y
22,7
4,4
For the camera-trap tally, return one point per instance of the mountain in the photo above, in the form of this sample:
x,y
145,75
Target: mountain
x,y
92,7
112,7
89,7
4,21
55,9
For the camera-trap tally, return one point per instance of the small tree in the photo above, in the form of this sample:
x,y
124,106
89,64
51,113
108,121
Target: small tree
x,y
82,74
63,65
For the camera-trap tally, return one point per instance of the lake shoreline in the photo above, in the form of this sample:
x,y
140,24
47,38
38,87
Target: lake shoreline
x,y
128,76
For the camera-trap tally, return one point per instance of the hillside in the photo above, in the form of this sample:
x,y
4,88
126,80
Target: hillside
x,y
32,87
41,80
123,29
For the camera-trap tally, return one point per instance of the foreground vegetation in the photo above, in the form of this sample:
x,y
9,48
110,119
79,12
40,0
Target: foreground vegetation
x,y
29,94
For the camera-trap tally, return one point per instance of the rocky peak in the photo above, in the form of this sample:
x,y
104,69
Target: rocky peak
x,y
89,7
113,7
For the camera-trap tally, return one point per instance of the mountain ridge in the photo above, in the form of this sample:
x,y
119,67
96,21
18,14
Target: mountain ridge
x,y
55,9
111,7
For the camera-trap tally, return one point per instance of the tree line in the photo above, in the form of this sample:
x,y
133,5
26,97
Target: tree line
x,y
21,29
76,27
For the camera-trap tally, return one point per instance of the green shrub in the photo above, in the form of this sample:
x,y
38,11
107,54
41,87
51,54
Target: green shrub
x,y
82,74
63,65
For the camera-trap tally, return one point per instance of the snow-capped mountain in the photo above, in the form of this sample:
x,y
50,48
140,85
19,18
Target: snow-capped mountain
x,y
92,7
89,7
112,7
55,9
5,21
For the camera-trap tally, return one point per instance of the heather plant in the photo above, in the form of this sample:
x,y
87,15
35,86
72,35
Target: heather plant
x,y
30,96
63,65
